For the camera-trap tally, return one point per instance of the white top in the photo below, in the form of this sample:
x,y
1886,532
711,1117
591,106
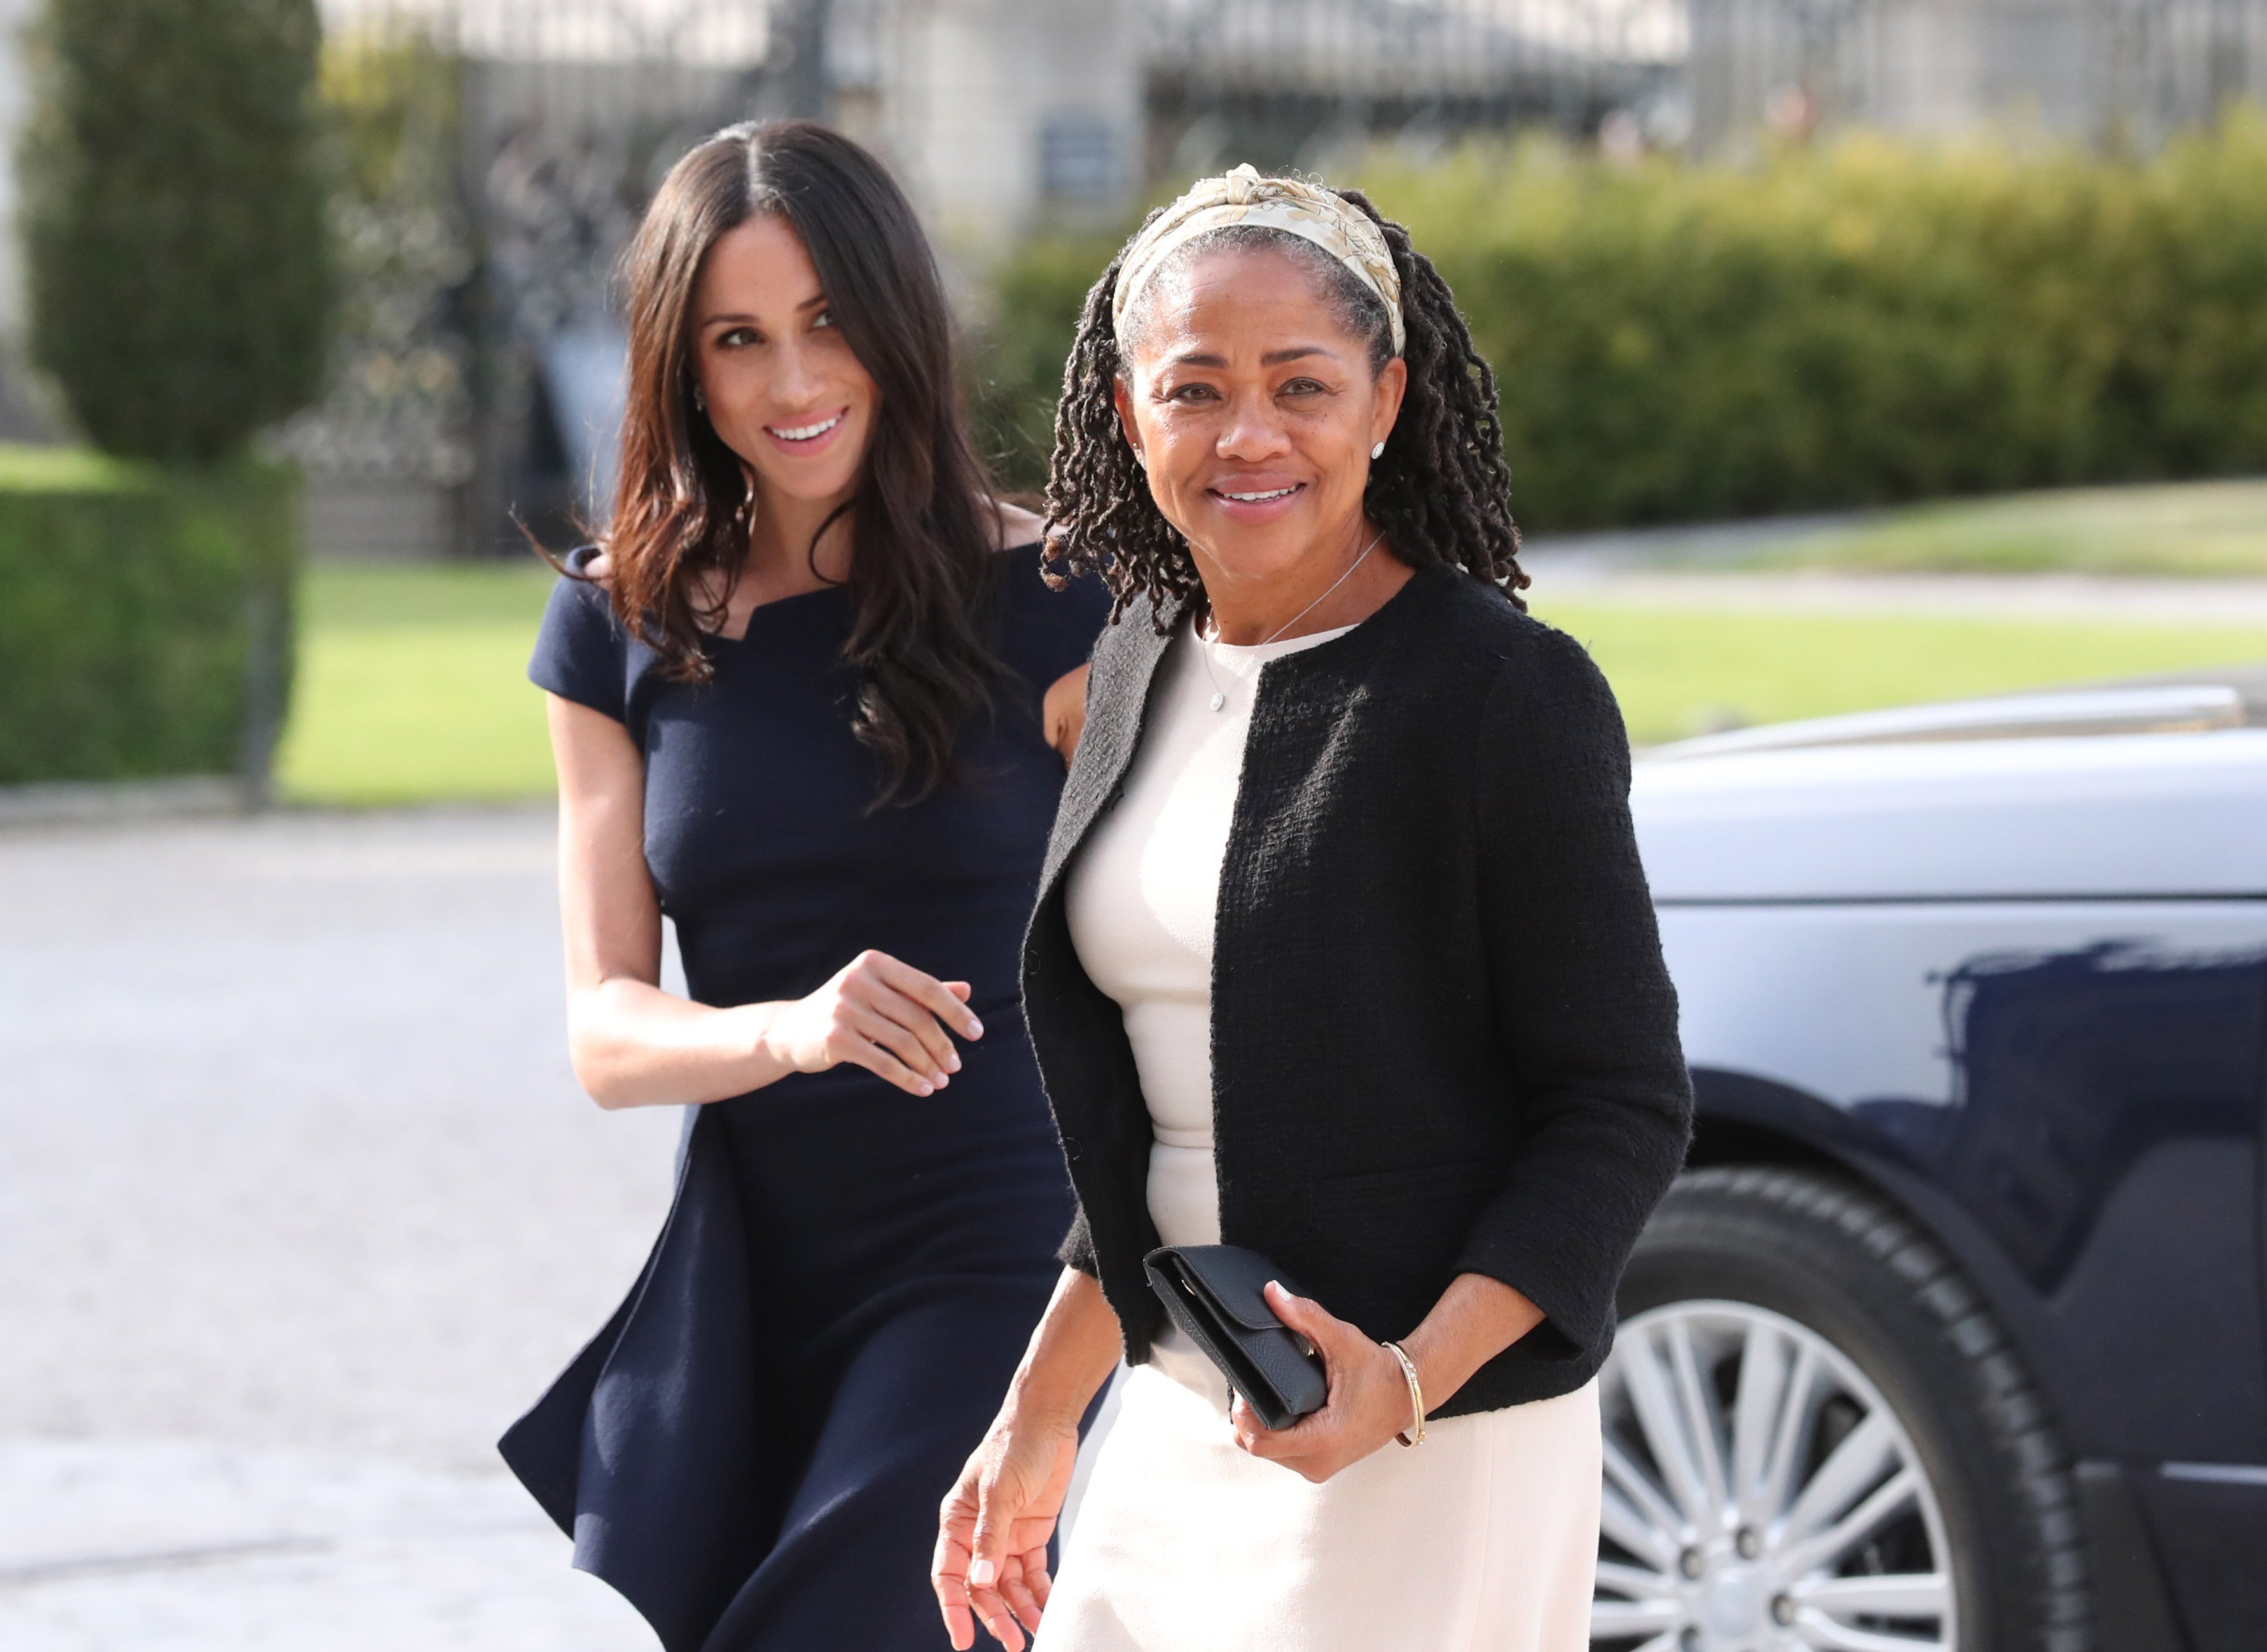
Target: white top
x,y
1142,899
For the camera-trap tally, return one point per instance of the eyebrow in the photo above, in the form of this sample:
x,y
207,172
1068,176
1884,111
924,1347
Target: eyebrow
x,y
811,302
1273,358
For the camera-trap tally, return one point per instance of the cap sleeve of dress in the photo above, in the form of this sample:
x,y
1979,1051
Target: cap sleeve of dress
x,y
1051,632
582,652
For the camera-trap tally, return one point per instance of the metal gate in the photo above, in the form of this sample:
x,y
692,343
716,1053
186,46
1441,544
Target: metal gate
x,y
494,155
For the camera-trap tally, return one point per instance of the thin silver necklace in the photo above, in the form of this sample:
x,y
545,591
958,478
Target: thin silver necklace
x,y
1204,656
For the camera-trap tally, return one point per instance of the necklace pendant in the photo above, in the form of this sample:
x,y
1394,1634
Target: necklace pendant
x,y
1218,700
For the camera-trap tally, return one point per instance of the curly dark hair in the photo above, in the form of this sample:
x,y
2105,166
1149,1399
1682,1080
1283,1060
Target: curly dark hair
x,y
1441,491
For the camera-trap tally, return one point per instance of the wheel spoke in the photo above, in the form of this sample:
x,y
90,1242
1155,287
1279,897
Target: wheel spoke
x,y
1797,1406
1617,1521
1896,1595
1762,1384
1816,1555
1844,1477
1634,1581
1699,1405
1647,1505
1665,1642
1657,1416
1617,1619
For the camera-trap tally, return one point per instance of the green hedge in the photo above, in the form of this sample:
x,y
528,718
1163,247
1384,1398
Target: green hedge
x,y
1016,364
1853,325
144,617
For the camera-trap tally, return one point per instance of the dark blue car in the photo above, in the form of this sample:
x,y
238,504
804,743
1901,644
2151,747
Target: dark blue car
x,y
1951,1335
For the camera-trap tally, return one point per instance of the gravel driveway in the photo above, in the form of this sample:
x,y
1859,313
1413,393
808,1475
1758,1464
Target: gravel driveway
x,y
300,1206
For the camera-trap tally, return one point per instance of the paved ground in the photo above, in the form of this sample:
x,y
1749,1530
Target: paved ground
x,y
299,1205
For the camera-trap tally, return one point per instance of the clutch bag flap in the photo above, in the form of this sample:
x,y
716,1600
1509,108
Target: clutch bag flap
x,y
1214,1293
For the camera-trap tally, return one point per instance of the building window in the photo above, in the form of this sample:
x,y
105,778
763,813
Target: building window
x,y
1079,159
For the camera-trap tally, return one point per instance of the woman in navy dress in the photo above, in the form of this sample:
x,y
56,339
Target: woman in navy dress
x,y
811,699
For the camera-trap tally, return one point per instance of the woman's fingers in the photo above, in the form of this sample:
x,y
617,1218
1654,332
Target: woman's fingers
x,y
1015,1589
952,1601
991,1611
947,1570
866,1048
936,1048
934,995
989,1564
1312,1448
900,1041
868,992
925,1010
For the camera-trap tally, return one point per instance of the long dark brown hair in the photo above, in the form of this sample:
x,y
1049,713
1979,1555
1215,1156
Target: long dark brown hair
x,y
921,562
1441,490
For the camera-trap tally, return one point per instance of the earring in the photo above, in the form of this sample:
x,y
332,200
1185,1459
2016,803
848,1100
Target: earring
x,y
699,398
1378,452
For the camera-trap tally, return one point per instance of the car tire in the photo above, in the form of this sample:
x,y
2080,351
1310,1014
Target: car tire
x,y
1790,1307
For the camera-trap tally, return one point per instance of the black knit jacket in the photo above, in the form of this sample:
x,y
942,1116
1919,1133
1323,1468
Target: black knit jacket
x,y
1443,1038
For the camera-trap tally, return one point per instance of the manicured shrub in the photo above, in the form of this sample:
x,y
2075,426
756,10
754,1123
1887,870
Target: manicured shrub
x,y
177,259
145,616
1859,324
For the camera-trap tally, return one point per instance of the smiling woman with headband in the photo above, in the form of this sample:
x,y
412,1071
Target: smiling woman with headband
x,y
1343,957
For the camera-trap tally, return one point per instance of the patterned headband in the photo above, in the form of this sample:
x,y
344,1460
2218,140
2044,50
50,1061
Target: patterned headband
x,y
1303,209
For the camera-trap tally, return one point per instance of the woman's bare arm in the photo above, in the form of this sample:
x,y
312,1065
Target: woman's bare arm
x,y
634,1045
1063,712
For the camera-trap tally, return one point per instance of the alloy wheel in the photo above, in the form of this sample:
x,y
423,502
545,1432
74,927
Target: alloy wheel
x,y
1760,1497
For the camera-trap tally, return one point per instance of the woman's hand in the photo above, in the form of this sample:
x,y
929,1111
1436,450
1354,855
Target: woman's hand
x,y
1368,1401
1476,1320
993,1529
879,1014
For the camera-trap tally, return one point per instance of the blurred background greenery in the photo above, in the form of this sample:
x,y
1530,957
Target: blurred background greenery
x,y
1854,323
1847,326
372,254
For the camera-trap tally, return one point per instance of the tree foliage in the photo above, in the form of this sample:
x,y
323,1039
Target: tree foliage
x,y
178,262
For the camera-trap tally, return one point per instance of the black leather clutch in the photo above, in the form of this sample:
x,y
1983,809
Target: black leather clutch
x,y
1213,1293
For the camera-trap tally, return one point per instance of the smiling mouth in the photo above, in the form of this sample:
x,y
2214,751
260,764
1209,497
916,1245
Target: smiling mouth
x,y
807,432
1268,497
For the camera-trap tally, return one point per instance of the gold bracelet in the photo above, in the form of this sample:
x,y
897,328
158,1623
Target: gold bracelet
x,y
1416,1396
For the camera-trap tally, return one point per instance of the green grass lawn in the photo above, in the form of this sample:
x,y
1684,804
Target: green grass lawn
x,y
412,686
1685,672
2179,529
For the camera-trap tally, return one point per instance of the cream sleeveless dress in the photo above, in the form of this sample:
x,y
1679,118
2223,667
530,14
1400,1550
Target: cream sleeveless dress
x,y
1482,1539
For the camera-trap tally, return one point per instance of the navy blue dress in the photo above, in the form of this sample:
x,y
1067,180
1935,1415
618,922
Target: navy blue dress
x,y
753,1450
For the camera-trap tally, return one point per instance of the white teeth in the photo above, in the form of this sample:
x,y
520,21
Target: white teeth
x,y
1260,498
807,431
